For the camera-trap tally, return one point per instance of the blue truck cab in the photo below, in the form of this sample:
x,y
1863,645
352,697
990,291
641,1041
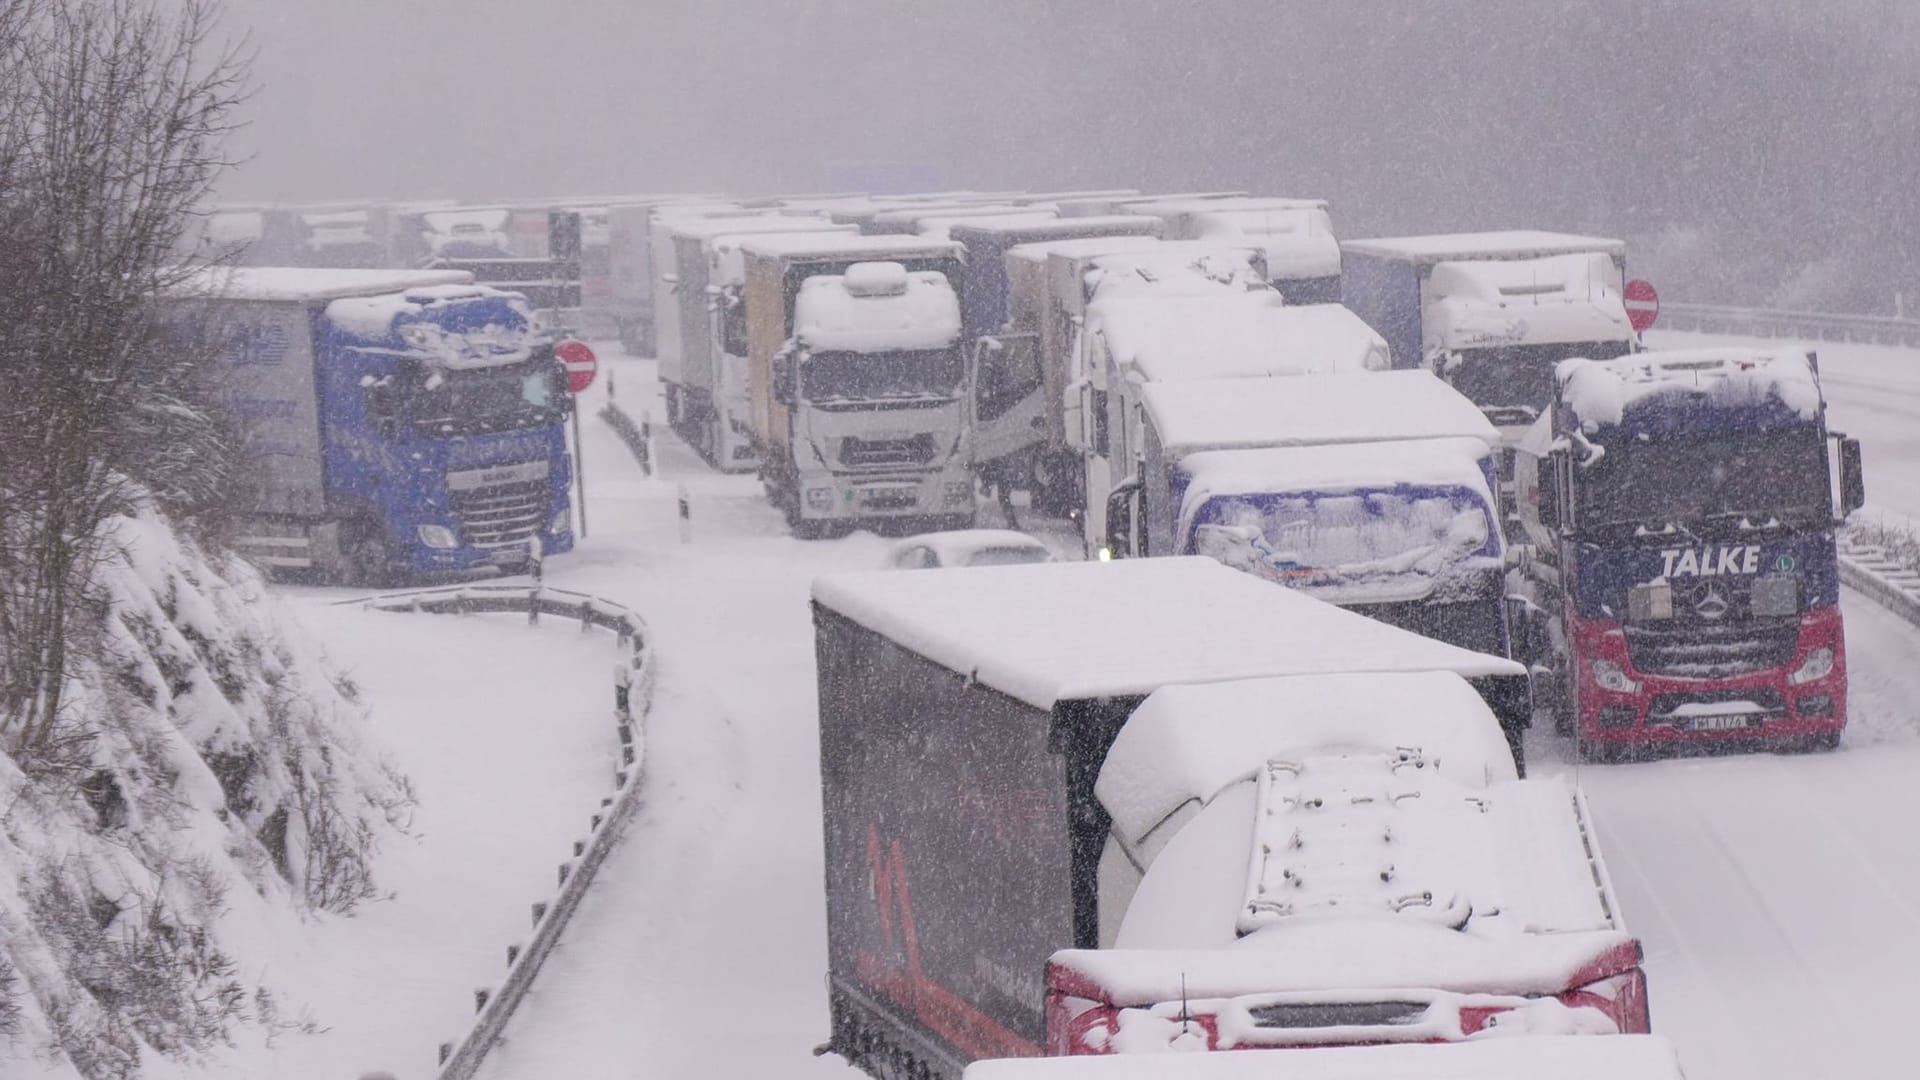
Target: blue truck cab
x,y
397,423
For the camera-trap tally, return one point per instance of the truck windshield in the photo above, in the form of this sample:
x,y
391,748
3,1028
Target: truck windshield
x,y
512,398
1513,384
1710,483
852,376
1369,546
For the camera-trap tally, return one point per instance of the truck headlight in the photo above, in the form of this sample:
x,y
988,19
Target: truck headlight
x,y
959,491
438,537
1609,675
1776,594
1817,665
820,498
1648,602
562,523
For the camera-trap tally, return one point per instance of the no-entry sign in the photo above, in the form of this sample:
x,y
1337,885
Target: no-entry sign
x,y
1643,304
580,363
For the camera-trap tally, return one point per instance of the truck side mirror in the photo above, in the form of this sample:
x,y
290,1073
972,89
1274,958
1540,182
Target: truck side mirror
x,y
783,378
1121,506
1547,489
1853,480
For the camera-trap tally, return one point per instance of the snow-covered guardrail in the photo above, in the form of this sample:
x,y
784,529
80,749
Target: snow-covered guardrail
x,y
1803,325
632,697
637,434
1882,575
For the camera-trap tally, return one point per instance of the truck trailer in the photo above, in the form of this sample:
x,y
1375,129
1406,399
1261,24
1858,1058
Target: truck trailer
x,y
1303,257
398,422
1679,507
967,720
1493,312
858,381
707,381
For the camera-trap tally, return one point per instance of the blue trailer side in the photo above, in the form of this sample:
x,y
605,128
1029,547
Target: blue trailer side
x,y
1385,293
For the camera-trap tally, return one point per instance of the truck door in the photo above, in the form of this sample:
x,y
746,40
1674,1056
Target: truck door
x,y
1008,410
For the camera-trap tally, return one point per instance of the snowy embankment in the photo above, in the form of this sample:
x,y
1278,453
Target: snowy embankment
x,y
211,780
1760,884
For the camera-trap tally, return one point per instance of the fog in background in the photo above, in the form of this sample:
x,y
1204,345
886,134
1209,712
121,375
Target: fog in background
x,y
1751,152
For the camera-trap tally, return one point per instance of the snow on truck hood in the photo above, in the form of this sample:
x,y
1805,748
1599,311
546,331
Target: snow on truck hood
x,y
1310,410
1224,334
1539,1057
1045,633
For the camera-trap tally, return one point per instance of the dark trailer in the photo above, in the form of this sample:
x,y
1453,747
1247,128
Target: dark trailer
x,y
964,717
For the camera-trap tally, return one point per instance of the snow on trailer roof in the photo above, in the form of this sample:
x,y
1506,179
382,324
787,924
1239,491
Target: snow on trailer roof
x,y
1259,203
855,246
1531,1057
1308,410
1046,633
1083,246
310,284
1505,244
941,226
1334,468
913,215
709,227
1186,743
1033,231
1602,392
1224,334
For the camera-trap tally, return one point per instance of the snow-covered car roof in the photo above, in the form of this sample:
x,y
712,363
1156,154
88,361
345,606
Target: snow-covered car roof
x,y
955,547
1501,244
1045,633
1228,334
1309,410
290,283
1532,1057
1430,463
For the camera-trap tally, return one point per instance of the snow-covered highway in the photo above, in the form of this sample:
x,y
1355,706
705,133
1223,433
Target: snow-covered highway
x,y
1779,909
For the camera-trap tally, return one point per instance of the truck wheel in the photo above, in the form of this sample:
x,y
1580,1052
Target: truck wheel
x,y
366,558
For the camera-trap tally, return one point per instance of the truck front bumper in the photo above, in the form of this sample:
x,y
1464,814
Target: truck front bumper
x,y
1804,698
843,497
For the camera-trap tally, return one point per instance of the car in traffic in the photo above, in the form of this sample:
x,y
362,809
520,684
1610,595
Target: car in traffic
x,y
966,547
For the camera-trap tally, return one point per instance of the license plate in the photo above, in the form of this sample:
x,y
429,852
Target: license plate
x,y
1728,722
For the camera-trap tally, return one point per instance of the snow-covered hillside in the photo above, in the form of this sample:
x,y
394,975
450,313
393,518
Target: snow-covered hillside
x,y
210,773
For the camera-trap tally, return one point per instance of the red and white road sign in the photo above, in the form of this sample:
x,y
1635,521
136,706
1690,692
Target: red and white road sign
x,y
1643,304
580,363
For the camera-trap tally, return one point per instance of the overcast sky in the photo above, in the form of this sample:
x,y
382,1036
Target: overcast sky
x,y
1630,115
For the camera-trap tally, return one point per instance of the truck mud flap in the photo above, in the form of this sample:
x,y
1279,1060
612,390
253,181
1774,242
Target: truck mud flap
x,y
864,1027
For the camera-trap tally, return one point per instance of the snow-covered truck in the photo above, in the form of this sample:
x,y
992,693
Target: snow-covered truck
x,y
1132,338
1527,1057
1051,284
1370,491
858,381
976,823
1009,409
1680,508
632,276
1303,256
708,378
395,422
1493,312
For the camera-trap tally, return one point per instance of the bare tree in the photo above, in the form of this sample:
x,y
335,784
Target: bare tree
x,y
112,118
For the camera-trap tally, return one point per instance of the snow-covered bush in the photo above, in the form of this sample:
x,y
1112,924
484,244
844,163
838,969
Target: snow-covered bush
x,y
204,749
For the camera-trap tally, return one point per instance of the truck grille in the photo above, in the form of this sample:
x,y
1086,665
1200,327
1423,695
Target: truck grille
x,y
1688,649
886,453
503,514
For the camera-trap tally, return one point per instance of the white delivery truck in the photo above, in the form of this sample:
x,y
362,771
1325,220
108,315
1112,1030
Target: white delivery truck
x,y
711,409
858,381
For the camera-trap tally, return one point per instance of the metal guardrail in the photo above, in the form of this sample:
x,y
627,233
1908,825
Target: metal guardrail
x,y
1886,581
633,695
1802,325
